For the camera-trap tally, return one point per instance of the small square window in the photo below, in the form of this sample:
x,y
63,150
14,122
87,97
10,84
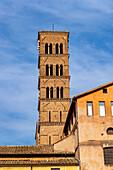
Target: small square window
x,y
104,90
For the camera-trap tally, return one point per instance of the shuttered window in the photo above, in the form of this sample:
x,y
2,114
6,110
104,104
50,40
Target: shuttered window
x,y
108,156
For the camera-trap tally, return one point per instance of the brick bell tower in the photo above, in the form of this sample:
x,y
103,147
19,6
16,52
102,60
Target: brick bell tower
x,y
53,85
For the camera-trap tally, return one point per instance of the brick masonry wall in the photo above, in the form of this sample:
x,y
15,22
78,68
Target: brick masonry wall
x,y
54,127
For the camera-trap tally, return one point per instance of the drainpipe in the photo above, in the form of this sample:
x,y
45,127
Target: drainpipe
x,y
78,162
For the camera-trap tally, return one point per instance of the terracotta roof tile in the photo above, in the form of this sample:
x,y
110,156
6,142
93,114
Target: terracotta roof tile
x,y
27,150
62,161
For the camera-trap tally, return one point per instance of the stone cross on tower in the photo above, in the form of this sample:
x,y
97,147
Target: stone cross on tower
x,y
53,85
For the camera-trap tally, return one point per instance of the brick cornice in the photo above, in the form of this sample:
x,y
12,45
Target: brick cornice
x,y
51,123
55,77
54,32
54,55
55,99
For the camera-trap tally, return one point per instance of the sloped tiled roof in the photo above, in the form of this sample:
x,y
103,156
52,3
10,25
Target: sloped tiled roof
x,y
62,161
27,150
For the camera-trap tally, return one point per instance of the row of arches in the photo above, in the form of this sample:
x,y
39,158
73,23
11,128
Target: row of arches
x,y
49,70
50,116
49,48
59,92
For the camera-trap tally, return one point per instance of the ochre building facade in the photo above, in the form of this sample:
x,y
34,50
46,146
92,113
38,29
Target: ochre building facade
x,y
90,120
53,85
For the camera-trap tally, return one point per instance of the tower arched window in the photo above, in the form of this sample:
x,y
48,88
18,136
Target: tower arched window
x,y
61,92
51,70
61,69
47,92
47,70
50,49
46,48
49,116
51,92
49,140
57,48
57,92
61,48
57,70
60,116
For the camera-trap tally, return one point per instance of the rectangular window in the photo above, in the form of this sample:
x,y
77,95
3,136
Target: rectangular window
x,y
112,108
108,156
90,108
55,168
102,108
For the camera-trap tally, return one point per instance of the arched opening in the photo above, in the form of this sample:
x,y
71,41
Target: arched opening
x,y
61,48
60,116
61,92
51,70
49,140
57,70
56,48
110,131
47,70
47,92
46,48
61,69
57,92
51,92
49,116
50,49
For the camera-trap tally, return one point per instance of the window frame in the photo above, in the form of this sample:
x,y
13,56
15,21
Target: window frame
x,y
104,108
107,159
111,108
87,108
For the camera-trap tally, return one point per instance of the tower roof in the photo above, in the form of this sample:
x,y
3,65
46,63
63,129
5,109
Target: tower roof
x,y
52,32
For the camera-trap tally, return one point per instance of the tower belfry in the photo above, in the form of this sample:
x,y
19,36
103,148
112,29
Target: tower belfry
x,y
53,85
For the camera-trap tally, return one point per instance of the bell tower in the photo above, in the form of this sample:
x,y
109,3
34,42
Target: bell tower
x,y
53,85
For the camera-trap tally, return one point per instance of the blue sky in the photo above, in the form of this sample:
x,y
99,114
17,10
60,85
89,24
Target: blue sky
x,y
90,24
